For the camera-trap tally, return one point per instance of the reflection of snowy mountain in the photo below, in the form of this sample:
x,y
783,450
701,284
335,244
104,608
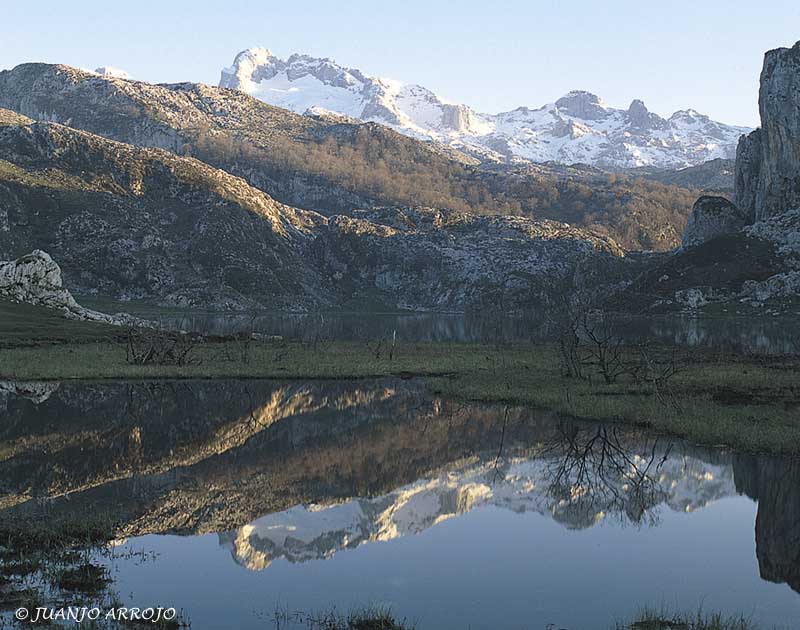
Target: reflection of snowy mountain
x,y
629,488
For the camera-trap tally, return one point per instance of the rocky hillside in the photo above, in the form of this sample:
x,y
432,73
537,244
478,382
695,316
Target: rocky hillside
x,y
577,128
334,165
135,222
143,223
427,258
713,176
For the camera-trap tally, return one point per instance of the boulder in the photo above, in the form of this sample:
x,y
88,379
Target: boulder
x,y
711,217
36,279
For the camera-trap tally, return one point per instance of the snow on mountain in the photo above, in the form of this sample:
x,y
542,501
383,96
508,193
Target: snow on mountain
x,y
114,73
577,128
310,532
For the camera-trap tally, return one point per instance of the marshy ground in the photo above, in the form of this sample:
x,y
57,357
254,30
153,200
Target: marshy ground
x,y
748,401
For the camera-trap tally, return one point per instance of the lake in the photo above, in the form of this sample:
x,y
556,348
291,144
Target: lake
x,y
251,498
752,334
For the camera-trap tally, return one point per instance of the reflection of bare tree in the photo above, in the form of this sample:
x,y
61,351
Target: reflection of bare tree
x,y
591,473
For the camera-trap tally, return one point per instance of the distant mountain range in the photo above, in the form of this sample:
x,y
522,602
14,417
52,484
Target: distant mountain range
x,y
577,128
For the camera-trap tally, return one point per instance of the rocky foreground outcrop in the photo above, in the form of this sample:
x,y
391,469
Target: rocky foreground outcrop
x,y
36,279
768,159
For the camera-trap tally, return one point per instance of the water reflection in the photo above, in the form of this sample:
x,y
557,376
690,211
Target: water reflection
x,y
302,472
752,334
577,477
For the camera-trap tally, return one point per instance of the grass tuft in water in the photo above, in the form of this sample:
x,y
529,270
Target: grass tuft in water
x,y
369,618
650,619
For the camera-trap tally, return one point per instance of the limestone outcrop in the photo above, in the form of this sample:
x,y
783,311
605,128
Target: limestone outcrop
x,y
36,279
424,258
712,217
768,159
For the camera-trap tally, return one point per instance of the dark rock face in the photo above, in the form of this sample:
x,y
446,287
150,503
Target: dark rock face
x,y
775,484
643,119
768,160
425,258
712,217
747,173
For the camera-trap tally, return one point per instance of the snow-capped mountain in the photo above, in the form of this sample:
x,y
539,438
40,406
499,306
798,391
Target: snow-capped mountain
x,y
577,128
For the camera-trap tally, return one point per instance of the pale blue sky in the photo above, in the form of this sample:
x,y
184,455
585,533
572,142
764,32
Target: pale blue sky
x,y
494,56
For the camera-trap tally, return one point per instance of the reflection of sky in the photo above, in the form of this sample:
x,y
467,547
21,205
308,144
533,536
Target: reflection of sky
x,y
489,568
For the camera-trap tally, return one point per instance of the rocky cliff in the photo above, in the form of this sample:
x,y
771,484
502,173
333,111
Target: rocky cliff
x,y
768,160
745,254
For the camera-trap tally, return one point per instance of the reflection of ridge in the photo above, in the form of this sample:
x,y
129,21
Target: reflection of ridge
x,y
148,429
577,488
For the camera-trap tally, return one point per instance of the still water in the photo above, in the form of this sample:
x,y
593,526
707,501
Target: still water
x,y
751,334
257,497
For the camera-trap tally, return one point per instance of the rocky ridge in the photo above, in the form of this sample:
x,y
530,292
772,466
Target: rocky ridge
x,y
143,223
430,259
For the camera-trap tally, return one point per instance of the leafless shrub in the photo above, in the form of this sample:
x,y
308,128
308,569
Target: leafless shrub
x,y
657,375
156,346
379,347
592,469
564,318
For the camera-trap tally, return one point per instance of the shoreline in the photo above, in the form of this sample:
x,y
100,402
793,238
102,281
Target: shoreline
x,y
747,402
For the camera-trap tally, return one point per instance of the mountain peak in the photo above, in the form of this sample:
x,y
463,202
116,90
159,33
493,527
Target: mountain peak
x,y
255,54
582,104
637,107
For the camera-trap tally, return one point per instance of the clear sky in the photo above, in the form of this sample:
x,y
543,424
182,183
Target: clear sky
x,y
494,56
